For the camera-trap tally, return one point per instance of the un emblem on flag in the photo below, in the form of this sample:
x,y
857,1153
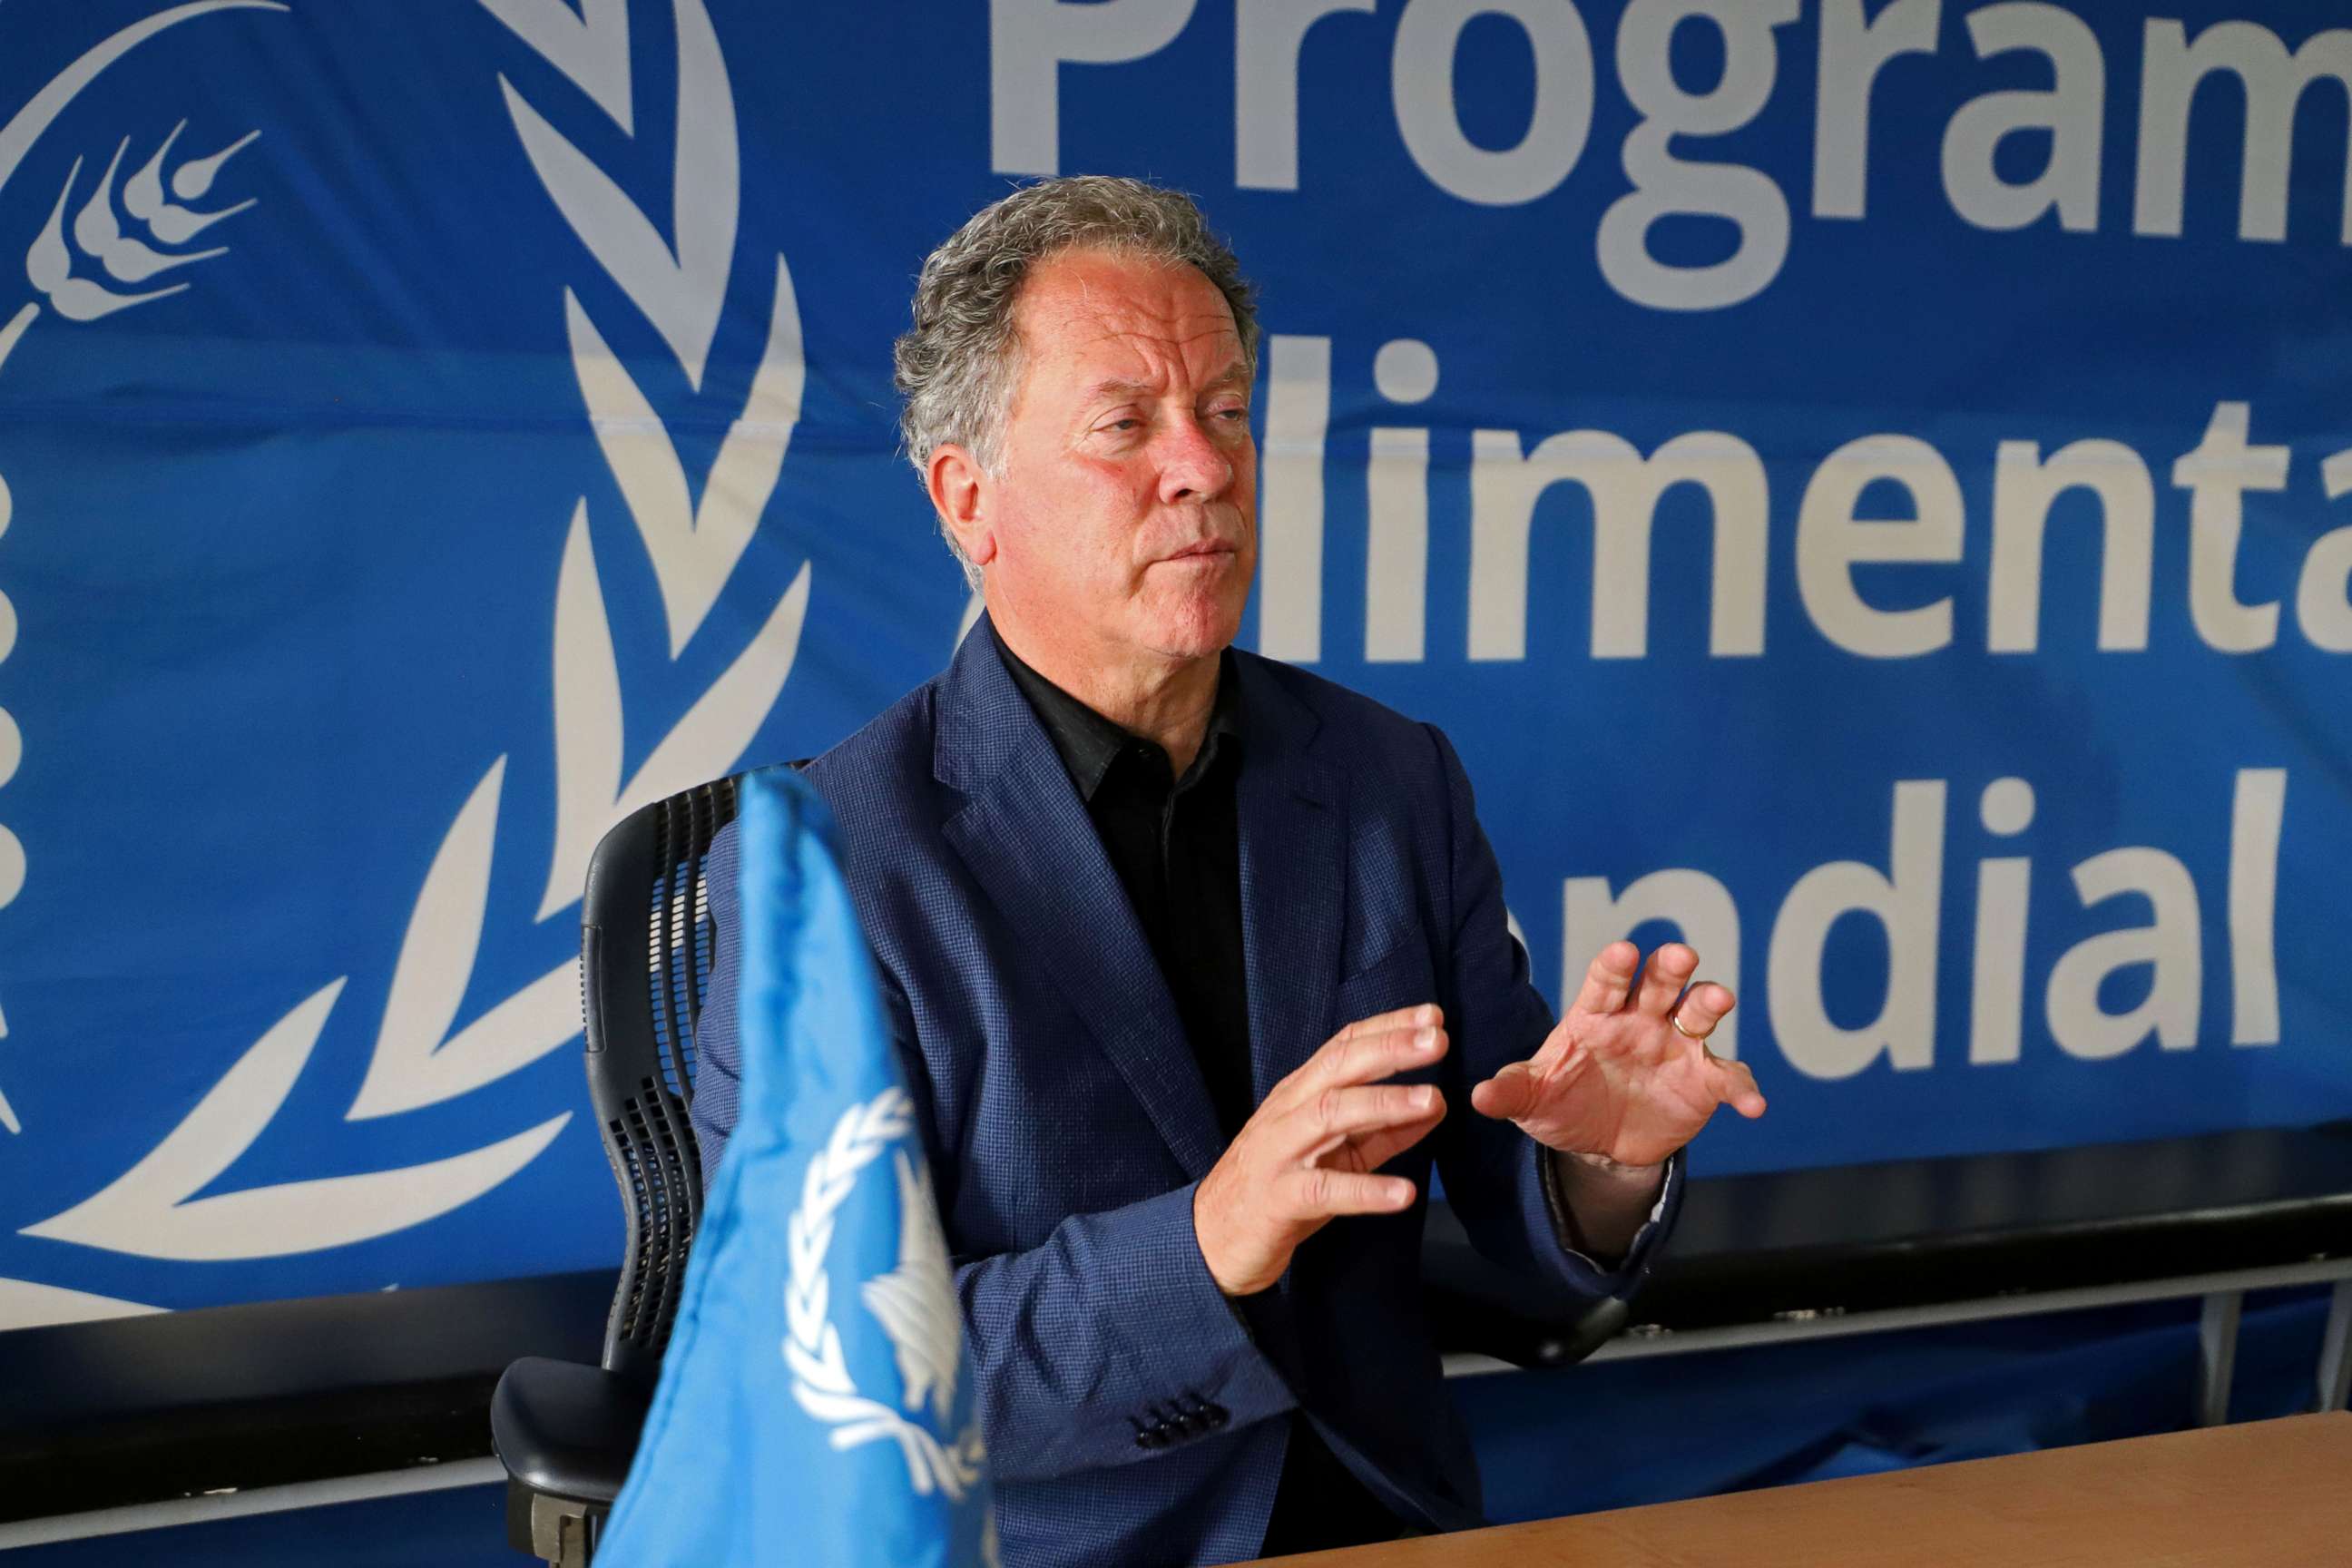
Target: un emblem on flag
x,y
914,1303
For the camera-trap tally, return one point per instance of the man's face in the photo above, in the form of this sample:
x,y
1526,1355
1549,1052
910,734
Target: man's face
x,y
1125,516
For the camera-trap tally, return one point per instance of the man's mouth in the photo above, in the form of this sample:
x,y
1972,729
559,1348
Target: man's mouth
x,y
1206,547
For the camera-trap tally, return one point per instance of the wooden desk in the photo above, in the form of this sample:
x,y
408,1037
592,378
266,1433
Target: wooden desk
x,y
2264,1494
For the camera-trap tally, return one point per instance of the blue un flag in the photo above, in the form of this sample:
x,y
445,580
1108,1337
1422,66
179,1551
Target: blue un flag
x,y
812,1407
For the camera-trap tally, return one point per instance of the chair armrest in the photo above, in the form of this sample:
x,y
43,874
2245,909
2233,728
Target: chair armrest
x,y
1477,1306
567,1429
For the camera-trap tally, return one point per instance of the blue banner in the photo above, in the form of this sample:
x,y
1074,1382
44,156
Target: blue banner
x,y
1860,483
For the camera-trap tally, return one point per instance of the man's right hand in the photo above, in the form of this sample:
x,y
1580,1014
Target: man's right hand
x,y
1308,1154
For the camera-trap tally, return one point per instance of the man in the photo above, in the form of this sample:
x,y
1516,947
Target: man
x,y
1196,962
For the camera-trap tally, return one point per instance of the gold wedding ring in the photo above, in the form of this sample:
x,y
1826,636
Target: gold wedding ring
x,y
1704,1049
1675,1018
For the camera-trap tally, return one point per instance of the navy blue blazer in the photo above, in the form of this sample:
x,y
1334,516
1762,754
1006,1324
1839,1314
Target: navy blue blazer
x,y
1067,1123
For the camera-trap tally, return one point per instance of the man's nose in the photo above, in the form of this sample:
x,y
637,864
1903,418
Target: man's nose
x,y
1192,465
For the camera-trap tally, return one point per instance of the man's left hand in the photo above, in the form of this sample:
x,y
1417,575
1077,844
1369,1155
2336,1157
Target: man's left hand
x,y
1616,1081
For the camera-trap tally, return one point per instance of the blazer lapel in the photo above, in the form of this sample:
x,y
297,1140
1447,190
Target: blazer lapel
x,y
1294,877
1026,838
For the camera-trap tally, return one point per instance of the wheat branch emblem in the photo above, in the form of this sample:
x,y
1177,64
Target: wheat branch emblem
x,y
63,278
822,1383
422,1055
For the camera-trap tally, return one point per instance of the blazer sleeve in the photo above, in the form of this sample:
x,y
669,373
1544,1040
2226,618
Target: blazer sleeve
x,y
1498,1178
1107,1343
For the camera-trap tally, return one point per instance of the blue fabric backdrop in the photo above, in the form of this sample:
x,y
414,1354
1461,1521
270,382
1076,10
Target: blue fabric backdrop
x,y
426,431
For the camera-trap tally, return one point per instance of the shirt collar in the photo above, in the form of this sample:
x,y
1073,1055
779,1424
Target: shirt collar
x,y
1089,744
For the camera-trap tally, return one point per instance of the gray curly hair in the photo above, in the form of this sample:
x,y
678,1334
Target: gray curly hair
x,y
959,364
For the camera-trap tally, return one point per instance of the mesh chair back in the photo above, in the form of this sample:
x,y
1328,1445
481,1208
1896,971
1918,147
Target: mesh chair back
x,y
645,959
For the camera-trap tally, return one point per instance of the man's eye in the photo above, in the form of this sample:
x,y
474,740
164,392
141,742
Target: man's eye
x,y
1237,416
1124,424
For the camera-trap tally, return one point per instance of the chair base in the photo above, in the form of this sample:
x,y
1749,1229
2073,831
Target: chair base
x,y
559,1532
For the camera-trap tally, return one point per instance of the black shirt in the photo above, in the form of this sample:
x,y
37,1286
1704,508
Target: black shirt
x,y
1176,846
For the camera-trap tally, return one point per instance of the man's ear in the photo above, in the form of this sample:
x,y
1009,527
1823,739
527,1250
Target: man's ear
x,y
960,493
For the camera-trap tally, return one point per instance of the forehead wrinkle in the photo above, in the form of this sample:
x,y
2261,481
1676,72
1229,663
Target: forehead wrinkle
x,y
1081,285
1126,332
1148,346
1144,322
1122,386
1075,302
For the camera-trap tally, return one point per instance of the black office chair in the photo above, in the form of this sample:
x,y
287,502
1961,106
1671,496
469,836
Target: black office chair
x,y
566,1432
